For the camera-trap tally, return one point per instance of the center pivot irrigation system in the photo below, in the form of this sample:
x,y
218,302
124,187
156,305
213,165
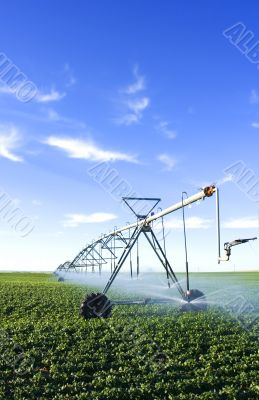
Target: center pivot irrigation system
x,y
115,248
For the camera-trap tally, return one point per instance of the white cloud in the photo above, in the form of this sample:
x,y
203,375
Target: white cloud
x,y
37,202
41,97
168,161
138,85
9,141
138,105
74,220
254,97
135,109
70,78
191,223
53,95
54,116
164,128
4,89
87,150
255,125
241,223
225,179
128,119
133,104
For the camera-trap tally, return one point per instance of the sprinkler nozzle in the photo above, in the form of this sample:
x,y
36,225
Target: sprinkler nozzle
x,y
188,296
195,301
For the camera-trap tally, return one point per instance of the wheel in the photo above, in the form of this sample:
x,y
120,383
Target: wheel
x,y
195,301
61,279
96,305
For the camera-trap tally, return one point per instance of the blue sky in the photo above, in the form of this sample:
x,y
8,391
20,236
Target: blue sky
x,y
155,90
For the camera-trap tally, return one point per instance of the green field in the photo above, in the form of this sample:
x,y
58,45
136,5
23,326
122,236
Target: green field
x,y
141,352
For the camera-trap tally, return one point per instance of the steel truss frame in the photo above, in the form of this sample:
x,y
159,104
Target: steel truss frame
x,y
116,247
93,255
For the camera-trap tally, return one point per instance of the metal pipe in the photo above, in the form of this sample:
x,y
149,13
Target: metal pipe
x,y
218,225
185,249
206,192
227,254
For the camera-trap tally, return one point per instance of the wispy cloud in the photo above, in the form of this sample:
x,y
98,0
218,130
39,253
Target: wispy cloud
x,y
69,74
74,220
255,125
254,97
54,116
131,102
9,141
241,223
191,223
87,150
134,111
41,96
168,161
127,119
48,97
37,202
4,89
135,108
138,85
164,128
225,179
138,105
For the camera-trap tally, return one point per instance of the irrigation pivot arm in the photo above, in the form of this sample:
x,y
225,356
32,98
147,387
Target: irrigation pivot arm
x,y
206,192
84,258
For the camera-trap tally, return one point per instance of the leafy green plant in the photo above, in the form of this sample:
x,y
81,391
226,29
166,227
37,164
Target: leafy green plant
x,y
151,352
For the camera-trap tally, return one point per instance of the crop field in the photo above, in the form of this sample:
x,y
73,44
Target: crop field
x,y
142,352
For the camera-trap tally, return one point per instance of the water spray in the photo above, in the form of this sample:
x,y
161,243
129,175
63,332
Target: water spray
x,y
116,248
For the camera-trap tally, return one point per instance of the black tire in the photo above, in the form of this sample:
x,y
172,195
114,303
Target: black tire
x,y
96,305
195,301
61,279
